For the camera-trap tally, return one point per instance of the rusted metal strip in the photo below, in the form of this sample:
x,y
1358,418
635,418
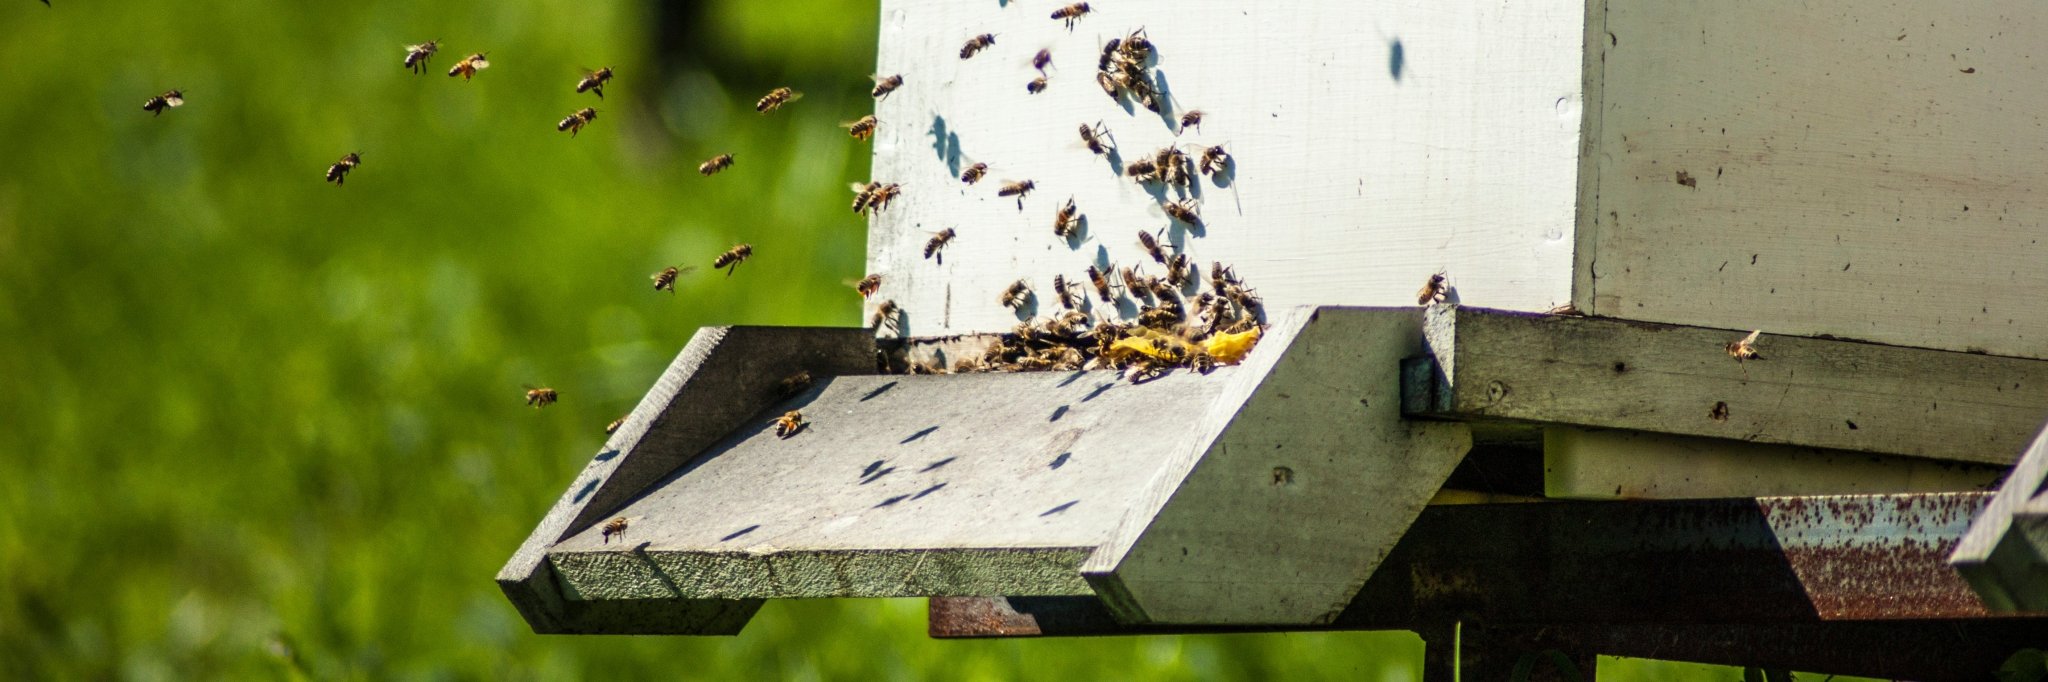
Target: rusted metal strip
x,y
1730,561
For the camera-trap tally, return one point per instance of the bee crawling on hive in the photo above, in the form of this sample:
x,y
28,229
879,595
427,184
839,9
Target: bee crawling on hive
x,y
1142,170
1067,221
170,99
1101,284
887,316
1187,211
789,424
575,121
1037,85
1214,160
469,65
1150,244
595,81
613,427
616,526
1094,136
1745,347
1070,296
1433,291
1016,295
540,397
1179,271
776,98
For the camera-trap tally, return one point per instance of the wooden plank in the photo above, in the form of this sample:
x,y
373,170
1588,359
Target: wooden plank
x,y
1284,496
1855,169
1375,144
1808,392
898,486
2005,554
1603,464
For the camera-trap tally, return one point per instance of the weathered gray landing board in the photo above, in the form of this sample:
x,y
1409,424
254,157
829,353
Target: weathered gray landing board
x,y
2005,554
1812,392
901,486
1612,464
721,378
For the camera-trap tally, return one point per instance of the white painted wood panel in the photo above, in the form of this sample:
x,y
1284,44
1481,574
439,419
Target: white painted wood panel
x,y
1375,143
1865,169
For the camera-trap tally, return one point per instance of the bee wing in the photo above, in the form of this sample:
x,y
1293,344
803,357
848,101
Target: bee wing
x,y
1747,340
858,187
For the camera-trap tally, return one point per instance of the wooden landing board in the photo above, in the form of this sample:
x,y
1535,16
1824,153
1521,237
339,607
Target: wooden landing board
x,y
899,486
1375,144
2005,554
1659,378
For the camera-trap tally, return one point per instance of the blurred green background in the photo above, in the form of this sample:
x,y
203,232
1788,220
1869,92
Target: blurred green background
x,y
260,426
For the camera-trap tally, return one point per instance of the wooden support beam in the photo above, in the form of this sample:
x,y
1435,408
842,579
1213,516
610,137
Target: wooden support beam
x,y
1811,392
2005,554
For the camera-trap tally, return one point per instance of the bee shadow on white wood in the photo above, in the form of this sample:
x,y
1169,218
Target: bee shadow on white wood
x,y
1167,116
946,144
743,531
1079,235
1397,60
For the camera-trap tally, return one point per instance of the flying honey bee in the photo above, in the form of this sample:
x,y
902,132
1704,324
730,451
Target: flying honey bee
x,y
1185,210
885,85
974,173
338,173
863,128
887,316
977,44
1041,60
883,194
469,65
1037,85
1069,298
666,279
789,424
1433,291
1745,347
715,164
1101,285
864,195
613,427
1179,271
1071,13
416,55
938,241
1151,245
1016,295
794,383
731,260
575,122
594,81
1067,221
867,286
1192,119
540,397
1017,189
1214,160
776,98
1094,137
616,526
156,105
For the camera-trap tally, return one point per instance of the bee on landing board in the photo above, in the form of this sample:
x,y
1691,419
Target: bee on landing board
x,y
416,56
338,173
887,316
867,286
1101,285
1069,297
1067,221
1179,271
1151,245
1221,277
870,198
974,173
1037,85
1094,137
885,85
1186,210
1071,13
730,260
977,44
594,81
170,99
613,527
469,65
1745,347
1109,53
1192,119
575,122
1433,291
1041,60
862,128
715,164
540,397
1214,160
776,98
1016,295
789,423
613,427
794,383
1017,189
1142,170
938,241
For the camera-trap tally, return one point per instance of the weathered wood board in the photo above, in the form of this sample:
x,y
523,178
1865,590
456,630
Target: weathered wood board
x,y
1866,169
2005,553
1606,464
1374,144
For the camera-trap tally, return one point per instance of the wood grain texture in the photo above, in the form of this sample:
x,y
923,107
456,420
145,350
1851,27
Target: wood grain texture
x,y
2005,553
1863,169
1809,392
1605,464
1283,498
1375,144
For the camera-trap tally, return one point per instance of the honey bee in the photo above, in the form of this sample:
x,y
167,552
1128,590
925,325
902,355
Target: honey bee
x,y
155,105
1192,119
886,316
1151,245
1148,98
1745,347
885,85
469,65
867,286
974,173
666,279
1017,189
1093,136
1178,271
1142,170
794,383
873,196
540,397
1071,13
338,173
1069,298
863,128
938,241
416,55
977,44
1037,85
613,427
1221,277
1109,53
575,122
1041,60
1101,285
967,365
594,81
883,194
1164,291
730,260
1107,83
1136,48
1433,291
1172,165
776,98
715,164
1016,295
1214,160
1185,210
613,527
1134,282
1065,323
1566,309
1067,220
1161,316
789,423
